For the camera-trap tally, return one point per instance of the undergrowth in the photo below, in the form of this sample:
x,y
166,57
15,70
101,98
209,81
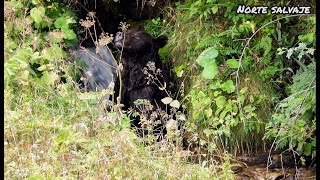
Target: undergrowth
x,y
247,83
52,135
241,93
53,130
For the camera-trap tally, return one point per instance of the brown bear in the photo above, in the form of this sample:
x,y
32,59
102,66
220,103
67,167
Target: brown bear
x,y
143,74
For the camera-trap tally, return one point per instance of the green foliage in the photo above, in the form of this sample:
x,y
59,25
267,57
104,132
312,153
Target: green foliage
x,y
154,26
157,27
55,131
44,137
216,113
39,57
203,9
218,108
63,23
207,61
233,63
301,80
52,130
37,14
294,122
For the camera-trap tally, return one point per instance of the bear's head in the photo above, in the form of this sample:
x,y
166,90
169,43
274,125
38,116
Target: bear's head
x,y
138,41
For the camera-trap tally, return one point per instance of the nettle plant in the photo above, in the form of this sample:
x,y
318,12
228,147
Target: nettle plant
x,y
34,47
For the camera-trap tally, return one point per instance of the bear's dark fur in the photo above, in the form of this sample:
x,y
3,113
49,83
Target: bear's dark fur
x,y
140,50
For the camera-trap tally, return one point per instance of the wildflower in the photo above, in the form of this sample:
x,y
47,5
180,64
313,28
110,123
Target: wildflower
x,y
124,26
105,39
87,23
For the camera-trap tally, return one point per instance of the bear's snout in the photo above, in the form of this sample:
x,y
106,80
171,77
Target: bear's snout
x,y
119,35
118,39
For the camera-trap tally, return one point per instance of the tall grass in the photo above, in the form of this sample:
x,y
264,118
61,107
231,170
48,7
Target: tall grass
x,y
54,131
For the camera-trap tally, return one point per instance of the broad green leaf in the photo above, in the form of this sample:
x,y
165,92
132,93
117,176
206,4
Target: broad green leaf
x,y
215,85
235,107
207,61
35,57
218,111
37,14
49,78
241,98
214,9
16,4
125,122
207,55
236,120
247,108
223,114
216,93
179,70
228,87
300,123
24,75
271,70
220,101
180,73
117,127
257,128
70,34
232,63
211,70
53,53
11,67
22,56
228,108
63,22
206,101
309,37
202,94
208,112
46,67
35,1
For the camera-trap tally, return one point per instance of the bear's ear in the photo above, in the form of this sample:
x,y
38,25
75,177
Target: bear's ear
x,y
138,27
161,41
